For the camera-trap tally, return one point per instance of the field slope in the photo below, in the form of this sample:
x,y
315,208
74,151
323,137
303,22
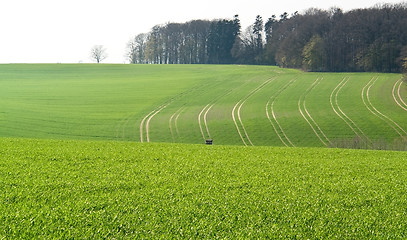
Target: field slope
x,y
91,190
233,105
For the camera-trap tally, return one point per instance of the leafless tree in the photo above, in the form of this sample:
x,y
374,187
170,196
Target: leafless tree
x,y
98,53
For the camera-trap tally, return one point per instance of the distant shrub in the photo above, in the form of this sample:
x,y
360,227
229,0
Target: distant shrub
x,y
398,144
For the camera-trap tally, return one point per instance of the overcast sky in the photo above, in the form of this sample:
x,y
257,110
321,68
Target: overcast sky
x,y
64,31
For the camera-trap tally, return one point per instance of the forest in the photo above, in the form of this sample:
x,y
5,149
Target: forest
x,y
370,39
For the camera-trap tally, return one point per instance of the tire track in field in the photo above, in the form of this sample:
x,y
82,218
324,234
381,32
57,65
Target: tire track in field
x,y
176,116
176,123
203,119
273,120
236,115
145,123
341,114
368,104
307,116
397,95
206,120
206,110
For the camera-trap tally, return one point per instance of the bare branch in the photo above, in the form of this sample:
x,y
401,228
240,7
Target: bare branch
x,y
98,53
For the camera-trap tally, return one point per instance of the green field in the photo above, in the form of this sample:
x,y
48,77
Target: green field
x,y
66,189
75,161
233,105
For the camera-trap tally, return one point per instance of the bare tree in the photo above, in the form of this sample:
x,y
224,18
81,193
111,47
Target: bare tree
x,y
98,53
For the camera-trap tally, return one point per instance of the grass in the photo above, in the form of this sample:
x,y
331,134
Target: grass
x,y
110,102
81,101
86,189
71,187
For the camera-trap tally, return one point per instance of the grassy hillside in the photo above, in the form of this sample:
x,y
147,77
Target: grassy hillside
x,y
234,105
82,189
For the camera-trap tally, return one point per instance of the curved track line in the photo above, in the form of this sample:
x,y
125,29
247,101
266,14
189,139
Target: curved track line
x,y
313,125
376,112
176,123
241,123
319,129
399,94
176,115
272,124
170,125
333,99
281,129
205,112
145,123
199,122
142,125
241,102
276,125
302,98
345,115
206,121
147,120
397,98
237,127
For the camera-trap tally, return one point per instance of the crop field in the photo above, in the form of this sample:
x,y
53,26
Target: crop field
x,y
69,189
233,105
117,151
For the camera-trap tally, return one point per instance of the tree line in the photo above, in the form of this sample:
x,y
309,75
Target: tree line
x,y
370,39
194,42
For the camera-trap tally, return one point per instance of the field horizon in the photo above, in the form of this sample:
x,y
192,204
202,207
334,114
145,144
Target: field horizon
x,y
231,104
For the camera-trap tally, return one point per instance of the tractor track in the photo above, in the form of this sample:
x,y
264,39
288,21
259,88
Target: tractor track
x,y
307,116
273,120
341,114
368,104
145,123
205,111
206,120
170,122
239,123
397,95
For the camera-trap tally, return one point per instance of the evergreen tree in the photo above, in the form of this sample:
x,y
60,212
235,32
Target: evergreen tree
x,y
222,37
258,33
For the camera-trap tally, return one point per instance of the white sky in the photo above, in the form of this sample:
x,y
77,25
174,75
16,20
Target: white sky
x,y
51,31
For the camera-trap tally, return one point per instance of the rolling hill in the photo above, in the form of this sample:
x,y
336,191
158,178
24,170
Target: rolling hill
x,y
79,156
231,104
